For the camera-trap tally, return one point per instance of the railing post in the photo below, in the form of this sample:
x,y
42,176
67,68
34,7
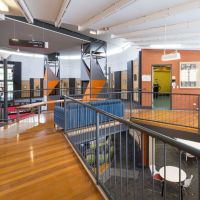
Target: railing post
x,y
199,114
39,114
97,147
5,91
198,164
65,115
131,103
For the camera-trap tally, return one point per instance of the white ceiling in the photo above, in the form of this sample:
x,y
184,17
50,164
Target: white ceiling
x,y
185,22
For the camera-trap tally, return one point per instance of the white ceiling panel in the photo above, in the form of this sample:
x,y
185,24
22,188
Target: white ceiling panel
x,y
44,9
80,11
137,9
188,16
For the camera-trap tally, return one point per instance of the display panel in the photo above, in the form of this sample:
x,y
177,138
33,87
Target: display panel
x,y
190,74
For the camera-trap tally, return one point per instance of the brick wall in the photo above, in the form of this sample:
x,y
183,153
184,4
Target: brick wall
x,y
153,57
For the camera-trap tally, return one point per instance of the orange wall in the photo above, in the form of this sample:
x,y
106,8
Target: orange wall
x,y
153,57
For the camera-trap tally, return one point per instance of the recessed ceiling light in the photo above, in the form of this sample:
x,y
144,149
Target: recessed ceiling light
x,y
3,7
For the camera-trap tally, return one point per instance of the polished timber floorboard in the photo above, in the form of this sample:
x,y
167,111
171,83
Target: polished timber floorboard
x,y
39,164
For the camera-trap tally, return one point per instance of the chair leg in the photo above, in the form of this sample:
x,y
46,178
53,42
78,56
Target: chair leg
x,y
162,188
181,192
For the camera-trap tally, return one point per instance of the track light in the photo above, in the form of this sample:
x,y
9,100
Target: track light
x,y
24,8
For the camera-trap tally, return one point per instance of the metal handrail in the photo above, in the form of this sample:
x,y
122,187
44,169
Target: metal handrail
x,y
163,138
115,92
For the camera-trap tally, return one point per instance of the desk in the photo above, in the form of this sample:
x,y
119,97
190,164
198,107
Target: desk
x,y
172,174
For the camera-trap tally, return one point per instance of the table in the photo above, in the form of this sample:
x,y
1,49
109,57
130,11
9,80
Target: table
x,y
172,175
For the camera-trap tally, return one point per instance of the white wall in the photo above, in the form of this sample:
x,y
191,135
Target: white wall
x,y
118,62
32,67
70,68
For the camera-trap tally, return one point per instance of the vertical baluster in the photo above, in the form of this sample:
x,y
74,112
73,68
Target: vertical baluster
x,y
109,147
164,171
153,164
134,175
180,186
120,156
115,152
127,168
97,147
65,115
142,165
198,177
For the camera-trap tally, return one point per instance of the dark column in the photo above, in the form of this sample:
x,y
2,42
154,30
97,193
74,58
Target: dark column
x,y
5,66
118,84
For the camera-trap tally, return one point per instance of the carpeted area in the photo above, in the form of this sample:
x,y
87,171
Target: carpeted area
x,y
129,185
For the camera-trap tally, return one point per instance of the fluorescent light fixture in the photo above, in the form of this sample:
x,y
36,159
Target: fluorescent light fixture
x,y
166,46
92,32
22,54
3,7
171,56
63,9
24,8
97,32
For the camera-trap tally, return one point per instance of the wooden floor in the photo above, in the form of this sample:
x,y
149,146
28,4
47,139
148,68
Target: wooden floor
x,y
173,118
39,164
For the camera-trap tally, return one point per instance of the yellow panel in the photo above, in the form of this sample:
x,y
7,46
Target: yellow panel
x,y
163,79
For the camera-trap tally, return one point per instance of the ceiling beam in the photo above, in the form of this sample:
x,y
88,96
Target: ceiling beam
x,y
61,13
168,42
25,10
52,28
158,15
105,13
171,27
185,47
168,37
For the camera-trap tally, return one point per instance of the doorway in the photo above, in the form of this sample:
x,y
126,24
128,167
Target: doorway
x,y
161,85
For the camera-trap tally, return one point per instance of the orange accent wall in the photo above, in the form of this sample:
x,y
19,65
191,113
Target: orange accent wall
x,y
97,86
153,57
51,85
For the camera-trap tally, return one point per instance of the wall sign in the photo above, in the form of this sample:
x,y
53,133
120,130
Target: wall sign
x,y
28,43
190,75
146,78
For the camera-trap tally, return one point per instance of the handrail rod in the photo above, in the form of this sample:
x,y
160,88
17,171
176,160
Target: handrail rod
x,y
165,139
